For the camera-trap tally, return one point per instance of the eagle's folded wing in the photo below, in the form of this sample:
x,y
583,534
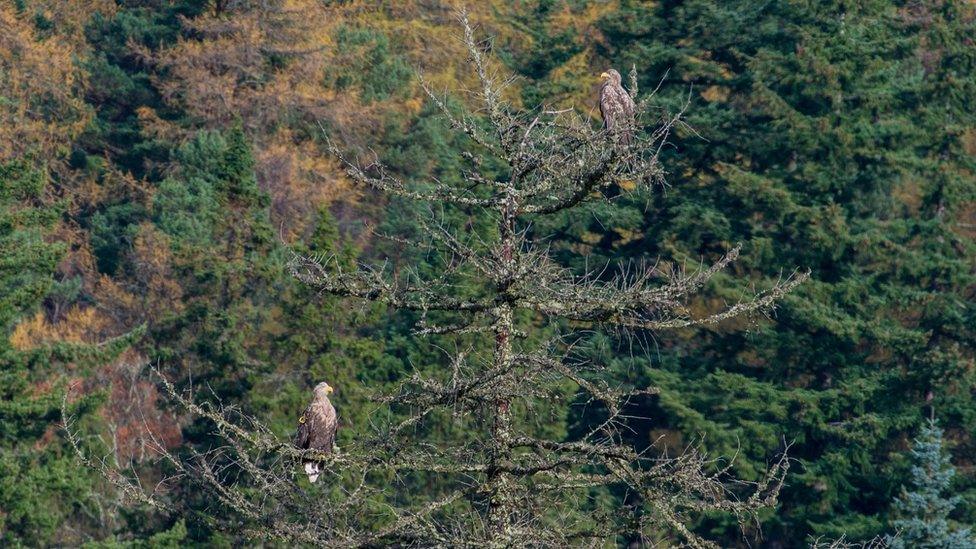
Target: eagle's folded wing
x,y
322,433
304,429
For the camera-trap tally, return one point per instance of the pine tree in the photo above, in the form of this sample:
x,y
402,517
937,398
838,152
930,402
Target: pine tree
x,y
924,510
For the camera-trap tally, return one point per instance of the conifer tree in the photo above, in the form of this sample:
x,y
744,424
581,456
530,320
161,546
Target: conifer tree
x,y
834,136
45,498
476,434
923,507
216,219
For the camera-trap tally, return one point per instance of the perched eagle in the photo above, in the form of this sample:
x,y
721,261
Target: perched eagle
x,y
317,428
616,108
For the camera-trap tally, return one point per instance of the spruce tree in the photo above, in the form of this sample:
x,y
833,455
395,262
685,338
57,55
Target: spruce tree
x,y
922,507
835,136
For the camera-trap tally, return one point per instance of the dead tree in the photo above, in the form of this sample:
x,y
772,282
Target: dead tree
x,y
497,480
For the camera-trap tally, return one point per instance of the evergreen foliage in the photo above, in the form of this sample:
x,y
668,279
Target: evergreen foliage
x,y
186,165
45,496
837,142
922,507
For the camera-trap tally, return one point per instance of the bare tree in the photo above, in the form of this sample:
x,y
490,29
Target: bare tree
x,y
496,478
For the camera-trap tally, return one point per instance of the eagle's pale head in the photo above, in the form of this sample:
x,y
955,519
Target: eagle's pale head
x,y
611,75
322,390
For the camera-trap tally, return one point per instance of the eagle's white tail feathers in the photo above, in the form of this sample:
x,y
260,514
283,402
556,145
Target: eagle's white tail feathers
x,y
312,470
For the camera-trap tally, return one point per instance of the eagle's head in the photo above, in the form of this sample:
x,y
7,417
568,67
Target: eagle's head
x,y
322,390
611,75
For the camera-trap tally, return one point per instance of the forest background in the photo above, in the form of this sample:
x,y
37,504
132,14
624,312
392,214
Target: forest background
x,y
162,160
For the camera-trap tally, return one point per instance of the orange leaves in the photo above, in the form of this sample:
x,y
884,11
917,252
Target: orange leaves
x,y
158,290
256,63
134,415
265,66
714,94
154,126
67,18
40,109
78,325
286,67
300,179
153,261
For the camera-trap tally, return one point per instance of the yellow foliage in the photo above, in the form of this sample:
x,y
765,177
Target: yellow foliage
x,y
591,238
715,93
153,126
579,72
968,140
68,17
224,74
221,74
966,221
301,178
40,106
627,236
909,193
628,184
79,325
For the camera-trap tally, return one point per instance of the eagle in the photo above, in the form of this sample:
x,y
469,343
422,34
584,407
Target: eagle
x,y
317,428
616,108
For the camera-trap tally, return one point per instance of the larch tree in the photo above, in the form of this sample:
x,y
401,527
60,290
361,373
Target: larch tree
x,y
41,109
477,433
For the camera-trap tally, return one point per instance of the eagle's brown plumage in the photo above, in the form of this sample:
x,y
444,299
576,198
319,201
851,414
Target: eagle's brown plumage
x,y
617,108
317,428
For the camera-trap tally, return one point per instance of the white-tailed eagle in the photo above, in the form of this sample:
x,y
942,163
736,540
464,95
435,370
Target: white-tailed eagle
x,y
617,108
317,428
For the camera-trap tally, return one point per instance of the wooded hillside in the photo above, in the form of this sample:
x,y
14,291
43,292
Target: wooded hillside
x,y
166,164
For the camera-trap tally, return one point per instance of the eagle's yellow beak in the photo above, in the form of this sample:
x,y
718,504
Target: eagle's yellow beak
x,y
605,75
328,389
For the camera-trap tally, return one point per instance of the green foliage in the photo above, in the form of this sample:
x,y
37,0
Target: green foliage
x,y
835,143
112,231
834,136
370,64
28,260
41,487
120,83
552,45
174,538
220,232
923,508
